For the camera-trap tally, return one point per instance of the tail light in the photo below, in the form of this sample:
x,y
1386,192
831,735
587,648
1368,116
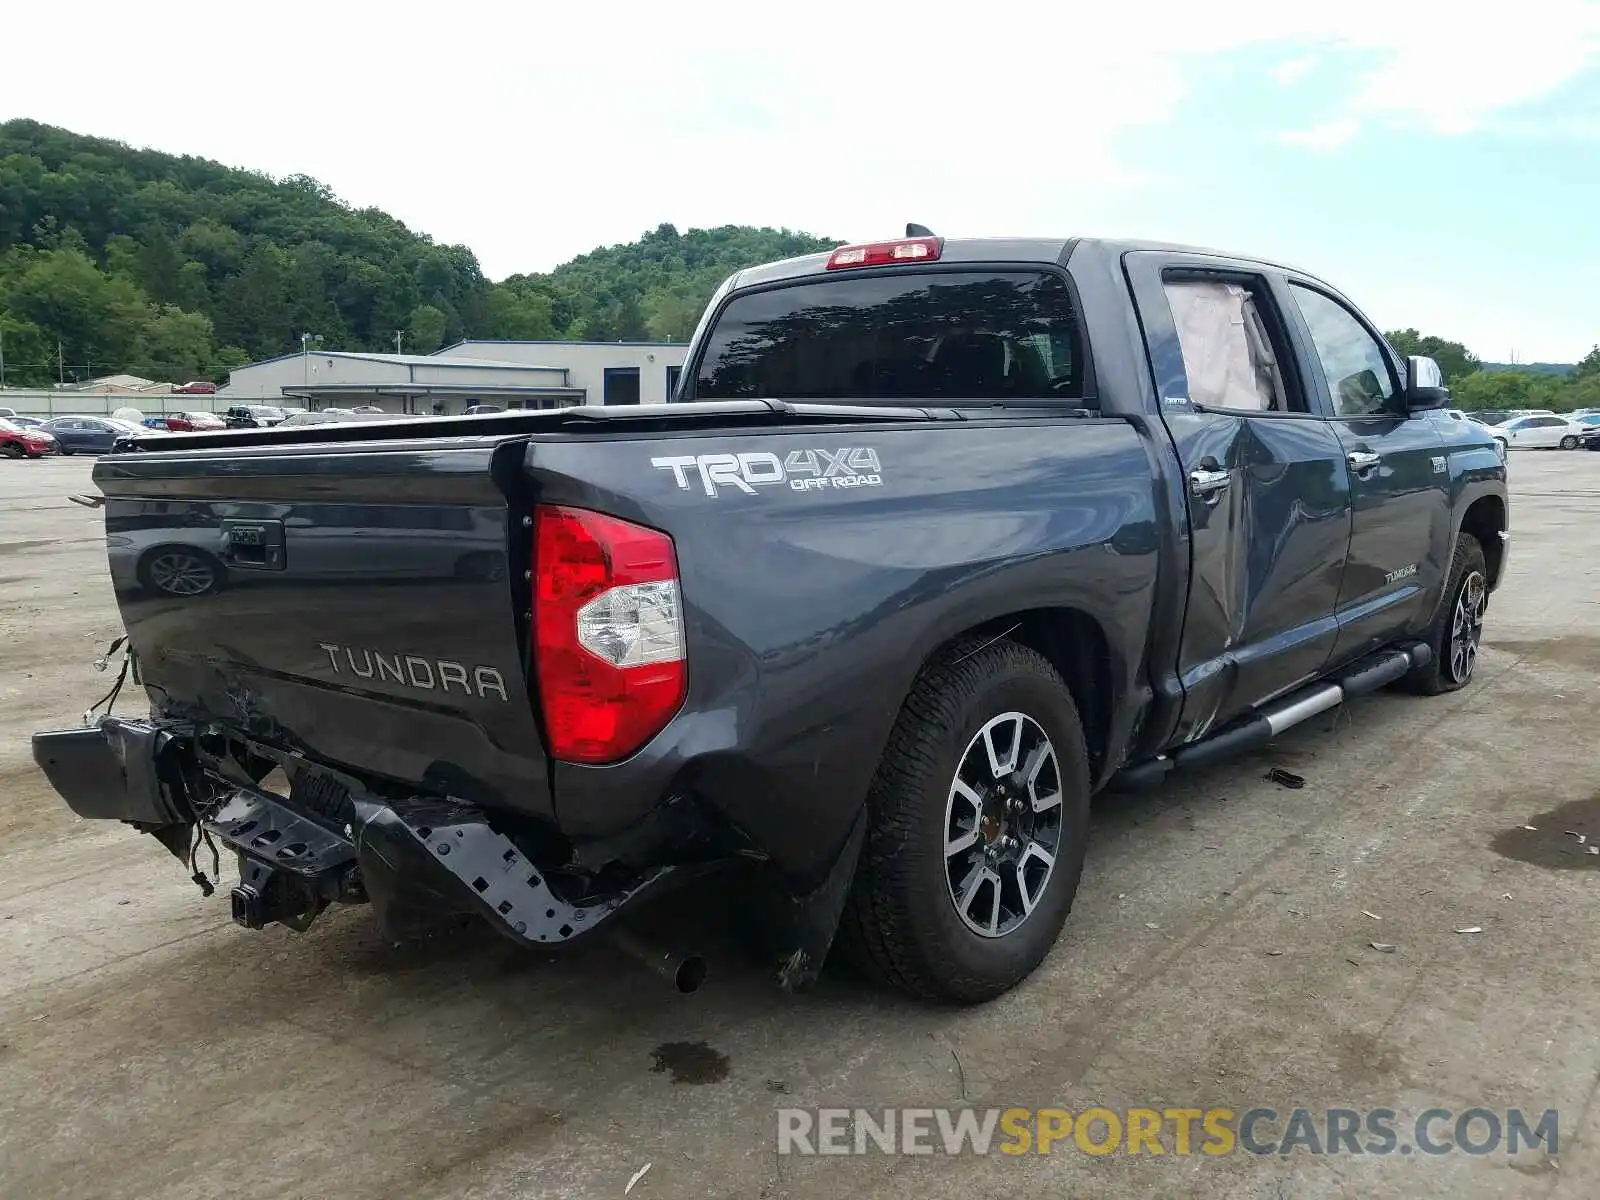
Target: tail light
x,y
880,254
608,633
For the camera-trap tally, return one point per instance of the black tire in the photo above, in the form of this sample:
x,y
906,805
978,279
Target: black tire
x,y
1569,442
1446,673
65,453
11,451
903,923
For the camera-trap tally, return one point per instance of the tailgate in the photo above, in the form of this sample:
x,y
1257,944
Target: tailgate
x,y
358,602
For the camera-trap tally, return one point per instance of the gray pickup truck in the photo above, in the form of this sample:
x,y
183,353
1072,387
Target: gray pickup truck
x,y
938,538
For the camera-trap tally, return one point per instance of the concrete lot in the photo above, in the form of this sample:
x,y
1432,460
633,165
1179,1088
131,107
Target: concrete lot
x,y
1218,955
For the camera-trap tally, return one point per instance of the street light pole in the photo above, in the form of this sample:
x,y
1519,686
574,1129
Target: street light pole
x,y
305,357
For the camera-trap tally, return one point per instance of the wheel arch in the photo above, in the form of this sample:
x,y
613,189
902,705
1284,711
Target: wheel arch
x,y
1075,644
1485,520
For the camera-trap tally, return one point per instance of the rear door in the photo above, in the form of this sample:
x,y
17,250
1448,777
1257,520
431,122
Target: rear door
x,y
1269,501
1399,475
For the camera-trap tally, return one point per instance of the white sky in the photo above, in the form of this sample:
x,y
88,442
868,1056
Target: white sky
x,y
533,132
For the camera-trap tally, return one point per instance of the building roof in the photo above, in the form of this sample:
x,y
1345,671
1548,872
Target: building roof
x,y
556,342
121,383
403,360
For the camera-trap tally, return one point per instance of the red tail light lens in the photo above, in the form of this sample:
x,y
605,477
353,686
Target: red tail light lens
x,y
608,633
880,254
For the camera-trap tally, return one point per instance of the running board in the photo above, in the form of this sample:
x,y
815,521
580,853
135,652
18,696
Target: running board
x,y
1368,675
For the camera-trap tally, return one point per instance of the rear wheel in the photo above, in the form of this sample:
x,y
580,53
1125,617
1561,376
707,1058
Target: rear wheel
x,y
1569,442
979,819
1456,631
11,451
180,571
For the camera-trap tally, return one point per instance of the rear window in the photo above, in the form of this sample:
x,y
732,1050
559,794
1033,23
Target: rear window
x,y
990,335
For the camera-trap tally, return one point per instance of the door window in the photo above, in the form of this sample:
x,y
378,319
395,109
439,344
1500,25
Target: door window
x,y
1356,369
1227,352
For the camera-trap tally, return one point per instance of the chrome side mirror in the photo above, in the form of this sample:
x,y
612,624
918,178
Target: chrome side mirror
x,y
1424,385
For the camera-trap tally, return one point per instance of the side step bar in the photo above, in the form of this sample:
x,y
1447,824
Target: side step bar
x,y
1368,675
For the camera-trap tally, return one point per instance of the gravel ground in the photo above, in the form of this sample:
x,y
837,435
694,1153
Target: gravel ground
x,y
1219,955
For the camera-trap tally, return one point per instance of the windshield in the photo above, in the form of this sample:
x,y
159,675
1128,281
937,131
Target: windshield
x,y
8,427
979,335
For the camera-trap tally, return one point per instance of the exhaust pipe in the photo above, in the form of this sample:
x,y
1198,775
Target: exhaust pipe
x,y
685,972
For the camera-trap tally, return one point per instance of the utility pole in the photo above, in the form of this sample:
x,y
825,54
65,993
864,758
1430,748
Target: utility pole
x,y
61,371
2,357
397,341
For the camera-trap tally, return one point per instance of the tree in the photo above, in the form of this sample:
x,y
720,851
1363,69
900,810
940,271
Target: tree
x,y
175,345
426,330
1454,359
1588,367
255,309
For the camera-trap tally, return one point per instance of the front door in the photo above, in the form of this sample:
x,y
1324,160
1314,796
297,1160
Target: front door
x,y
1268,497
1399,479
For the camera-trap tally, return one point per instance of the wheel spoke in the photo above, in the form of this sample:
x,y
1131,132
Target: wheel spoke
x,y
1044,803
973,882
1037,757
966,792
962,842
1001,767
994,910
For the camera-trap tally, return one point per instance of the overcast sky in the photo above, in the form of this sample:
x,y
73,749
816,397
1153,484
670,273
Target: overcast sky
x,y
1441,164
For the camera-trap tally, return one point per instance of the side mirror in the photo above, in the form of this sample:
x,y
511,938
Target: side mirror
x,y
1424,385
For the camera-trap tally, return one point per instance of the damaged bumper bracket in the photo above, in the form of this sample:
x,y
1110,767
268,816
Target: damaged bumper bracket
x,y
415,858
432,855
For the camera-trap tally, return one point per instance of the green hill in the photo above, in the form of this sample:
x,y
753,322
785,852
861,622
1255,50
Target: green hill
x,y
115,259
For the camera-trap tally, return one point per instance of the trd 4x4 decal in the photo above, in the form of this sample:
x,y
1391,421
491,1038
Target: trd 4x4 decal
x,y
800,470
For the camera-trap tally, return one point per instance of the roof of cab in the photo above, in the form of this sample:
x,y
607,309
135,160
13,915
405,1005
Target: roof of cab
x,y
1020,250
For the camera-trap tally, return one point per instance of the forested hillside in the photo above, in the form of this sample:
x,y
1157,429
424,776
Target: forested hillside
x,y
114,259
121,260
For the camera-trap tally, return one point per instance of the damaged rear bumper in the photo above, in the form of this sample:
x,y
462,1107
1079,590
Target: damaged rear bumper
x,y
415,858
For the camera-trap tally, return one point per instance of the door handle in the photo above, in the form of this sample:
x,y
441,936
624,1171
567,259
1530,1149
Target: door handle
x,y
1363,460
1207,485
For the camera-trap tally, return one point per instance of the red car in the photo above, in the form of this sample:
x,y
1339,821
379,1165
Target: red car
x,y
204,420
172,422
17,441
196,388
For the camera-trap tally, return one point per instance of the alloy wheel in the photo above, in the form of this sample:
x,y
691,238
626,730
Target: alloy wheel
x,y
1002,825
1466,626
180,574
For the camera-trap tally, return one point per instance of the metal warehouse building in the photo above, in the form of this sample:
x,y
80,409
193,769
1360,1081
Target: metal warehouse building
x,y
509,374
606,372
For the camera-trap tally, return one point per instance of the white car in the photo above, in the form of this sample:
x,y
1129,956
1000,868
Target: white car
x,y
1540,433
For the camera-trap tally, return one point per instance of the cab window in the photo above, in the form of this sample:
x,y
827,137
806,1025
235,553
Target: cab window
x,y
1359,380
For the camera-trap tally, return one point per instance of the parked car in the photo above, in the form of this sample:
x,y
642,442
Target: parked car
x,y
199,387
945,536
475,410
1590,420
204,420
93,435
25,422
7,413
252,416
1540,433
20,441
171,422
333,416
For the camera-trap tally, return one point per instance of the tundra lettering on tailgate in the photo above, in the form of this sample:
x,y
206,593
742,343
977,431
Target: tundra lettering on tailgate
x,y
412,670
801,470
